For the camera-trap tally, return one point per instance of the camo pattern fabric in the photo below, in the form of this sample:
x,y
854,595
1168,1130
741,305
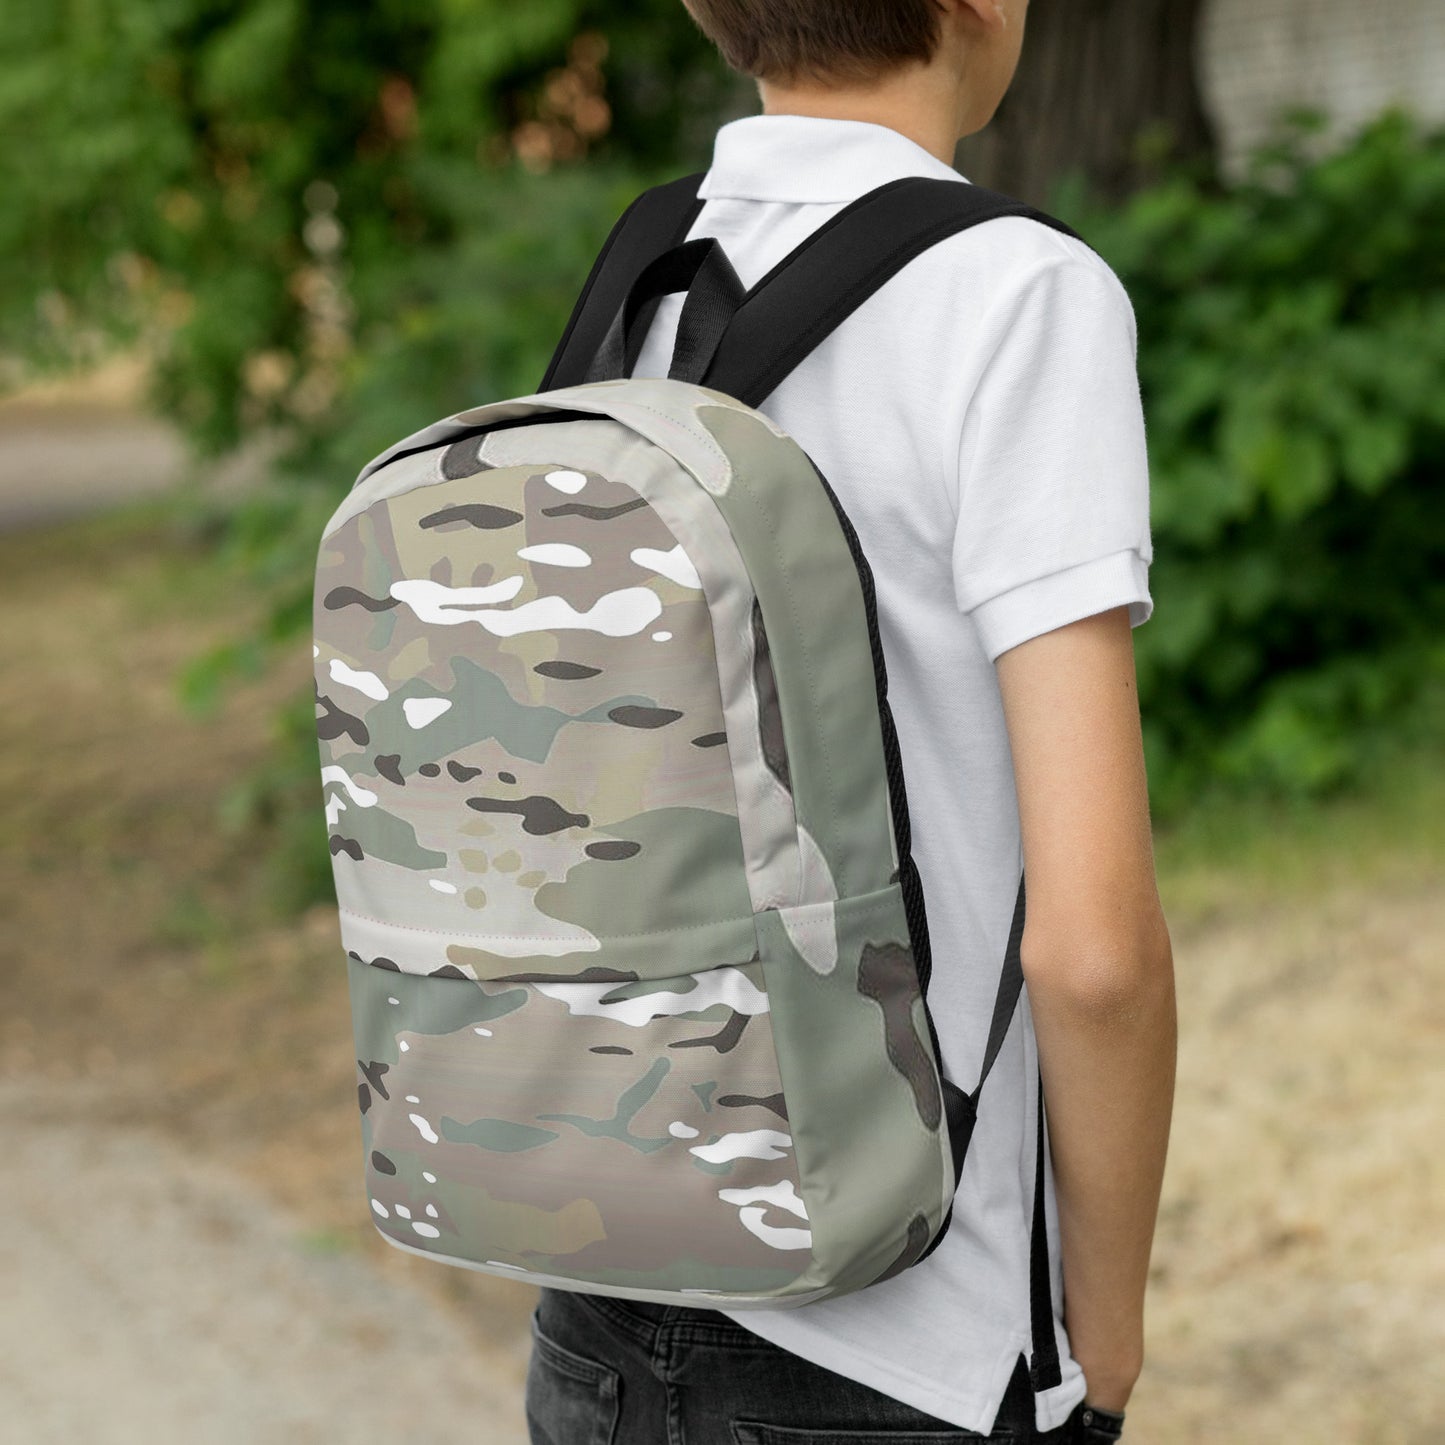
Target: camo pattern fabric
x,y
590,817
521,725
627,1135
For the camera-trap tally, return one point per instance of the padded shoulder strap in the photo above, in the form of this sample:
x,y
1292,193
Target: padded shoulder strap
x,y
656,221
837,268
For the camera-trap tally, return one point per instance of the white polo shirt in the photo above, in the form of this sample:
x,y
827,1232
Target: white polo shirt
x,y
979,419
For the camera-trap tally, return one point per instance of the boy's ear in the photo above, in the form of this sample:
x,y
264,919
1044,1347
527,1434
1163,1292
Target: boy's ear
x,y
991,13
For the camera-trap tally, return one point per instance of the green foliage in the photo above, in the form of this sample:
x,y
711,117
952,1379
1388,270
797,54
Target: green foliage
x,y
1291,350
254,188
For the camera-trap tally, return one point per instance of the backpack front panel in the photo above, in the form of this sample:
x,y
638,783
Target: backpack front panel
x,y
752,735
520,767
799,894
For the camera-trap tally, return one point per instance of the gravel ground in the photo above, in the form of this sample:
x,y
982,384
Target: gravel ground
x,y
154,1298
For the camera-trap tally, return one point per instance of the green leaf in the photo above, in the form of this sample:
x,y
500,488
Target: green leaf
x,y
1374,447
1293,468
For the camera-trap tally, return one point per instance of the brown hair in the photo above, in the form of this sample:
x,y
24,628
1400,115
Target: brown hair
x,y
790,40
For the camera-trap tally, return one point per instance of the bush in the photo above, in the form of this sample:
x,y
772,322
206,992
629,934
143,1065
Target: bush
x,y
1292,358
258,190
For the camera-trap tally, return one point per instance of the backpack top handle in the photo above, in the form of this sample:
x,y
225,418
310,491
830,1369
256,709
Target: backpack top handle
x,y
657,220
714,294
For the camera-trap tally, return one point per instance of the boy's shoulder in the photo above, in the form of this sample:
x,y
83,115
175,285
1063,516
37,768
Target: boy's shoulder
x,y
1015,261
1016,247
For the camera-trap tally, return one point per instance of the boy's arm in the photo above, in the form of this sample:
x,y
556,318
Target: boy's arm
x,y
1097,959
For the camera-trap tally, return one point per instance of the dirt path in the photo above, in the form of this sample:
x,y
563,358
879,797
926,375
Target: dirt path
x,y
78,445
1298,1279
98,460
154,1298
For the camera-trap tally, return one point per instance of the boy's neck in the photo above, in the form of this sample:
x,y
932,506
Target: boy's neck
x,y
921,102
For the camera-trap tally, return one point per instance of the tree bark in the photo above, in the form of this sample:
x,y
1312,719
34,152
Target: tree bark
x,y
1107,89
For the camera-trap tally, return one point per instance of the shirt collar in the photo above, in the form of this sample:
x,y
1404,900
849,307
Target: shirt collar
x,y
811,158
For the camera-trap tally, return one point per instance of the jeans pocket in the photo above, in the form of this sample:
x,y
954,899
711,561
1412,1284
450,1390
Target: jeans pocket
x,y
570,1399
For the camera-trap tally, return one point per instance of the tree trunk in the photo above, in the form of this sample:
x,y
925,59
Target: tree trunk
x,y
1107,89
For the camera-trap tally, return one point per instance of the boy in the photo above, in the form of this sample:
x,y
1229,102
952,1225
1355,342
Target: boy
x,y
979,418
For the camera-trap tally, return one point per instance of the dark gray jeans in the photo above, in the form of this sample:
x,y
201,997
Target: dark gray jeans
x,y
610,1372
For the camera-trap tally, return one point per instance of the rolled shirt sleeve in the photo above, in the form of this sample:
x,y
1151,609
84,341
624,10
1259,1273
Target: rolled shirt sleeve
x,y
1053,506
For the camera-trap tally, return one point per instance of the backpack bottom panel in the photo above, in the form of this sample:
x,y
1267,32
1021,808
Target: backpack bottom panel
x,y
626,1136
696,1298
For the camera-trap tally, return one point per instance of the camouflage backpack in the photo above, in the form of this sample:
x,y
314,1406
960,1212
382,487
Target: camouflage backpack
x,y
637,949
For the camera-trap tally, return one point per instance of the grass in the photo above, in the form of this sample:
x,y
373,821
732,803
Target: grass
x,y
1233,854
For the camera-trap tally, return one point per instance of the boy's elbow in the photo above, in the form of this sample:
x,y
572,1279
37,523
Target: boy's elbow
x,y
1102,974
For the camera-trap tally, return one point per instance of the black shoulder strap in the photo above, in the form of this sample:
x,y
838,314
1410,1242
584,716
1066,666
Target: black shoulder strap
x,y
655,222
1044,1365
838,267
962,1111
1010,986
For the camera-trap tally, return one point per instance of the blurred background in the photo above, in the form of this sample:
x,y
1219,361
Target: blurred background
x,y
246,244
